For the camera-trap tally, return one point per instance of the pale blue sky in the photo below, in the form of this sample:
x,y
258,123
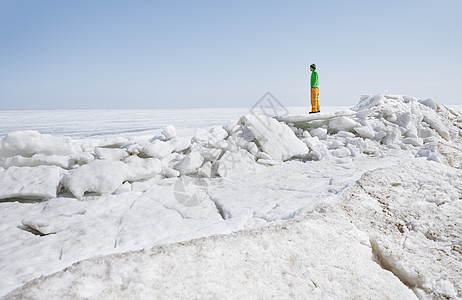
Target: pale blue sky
x,y
148,54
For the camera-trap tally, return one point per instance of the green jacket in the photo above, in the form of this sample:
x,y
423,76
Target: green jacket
x,y
314,79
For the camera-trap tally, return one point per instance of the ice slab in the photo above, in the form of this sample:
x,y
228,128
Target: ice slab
x,y
40,182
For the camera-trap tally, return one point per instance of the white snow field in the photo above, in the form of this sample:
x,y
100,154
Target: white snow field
x,y
358,203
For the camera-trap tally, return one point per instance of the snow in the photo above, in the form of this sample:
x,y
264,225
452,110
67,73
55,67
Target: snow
x,y
359,203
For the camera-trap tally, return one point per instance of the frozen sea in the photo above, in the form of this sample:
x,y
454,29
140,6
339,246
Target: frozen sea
x,y
97,123
350,203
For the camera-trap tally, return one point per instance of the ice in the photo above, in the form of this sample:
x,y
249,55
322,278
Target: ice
x,y
209,154
268,162
416,142
57,216
342,124
169,132
436,124
40,182
335,144
180,144
99,176
111,154
64,162
314,117
124,188
373,194
430,103
190,163
309,265
28,143
206,170
391,120
236,162
368,101
212,136
341,152
274,138
88,145
446,288
158,149
170,172
430,151
397,207
318,150
365,132
321,133
142,168
263,155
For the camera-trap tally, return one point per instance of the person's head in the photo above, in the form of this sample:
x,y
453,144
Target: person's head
x,y
312,67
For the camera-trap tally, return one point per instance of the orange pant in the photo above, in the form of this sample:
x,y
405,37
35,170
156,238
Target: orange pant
x,y
314,100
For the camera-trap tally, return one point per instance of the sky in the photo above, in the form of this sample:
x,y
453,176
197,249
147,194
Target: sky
x,y
178,54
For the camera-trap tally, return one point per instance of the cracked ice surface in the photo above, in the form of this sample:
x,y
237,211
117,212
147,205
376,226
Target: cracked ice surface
x,y
115,223
375,192
300,259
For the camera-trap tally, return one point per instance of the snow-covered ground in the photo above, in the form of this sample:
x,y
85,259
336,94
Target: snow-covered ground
x,y
359,203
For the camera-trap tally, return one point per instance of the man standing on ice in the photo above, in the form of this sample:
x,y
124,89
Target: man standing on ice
x,y
314,90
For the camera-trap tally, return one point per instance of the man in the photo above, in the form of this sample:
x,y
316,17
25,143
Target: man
x,y
314,90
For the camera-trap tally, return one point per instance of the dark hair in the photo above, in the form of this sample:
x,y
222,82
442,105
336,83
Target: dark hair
x,y
313,66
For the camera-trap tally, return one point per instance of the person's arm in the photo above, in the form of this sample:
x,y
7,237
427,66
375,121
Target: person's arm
x,y
314,79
